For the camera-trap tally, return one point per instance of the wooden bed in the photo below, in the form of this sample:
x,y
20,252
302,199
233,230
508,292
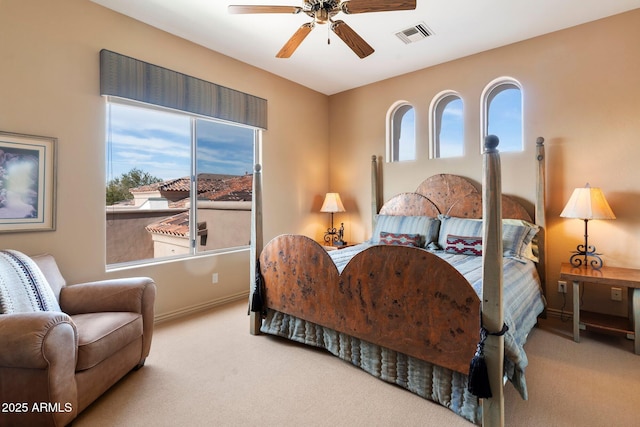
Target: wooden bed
x,y
405,298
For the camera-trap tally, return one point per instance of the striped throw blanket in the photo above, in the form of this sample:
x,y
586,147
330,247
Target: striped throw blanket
x,y
23,287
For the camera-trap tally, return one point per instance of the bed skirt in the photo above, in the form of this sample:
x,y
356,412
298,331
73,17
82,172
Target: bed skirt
x,y
443,386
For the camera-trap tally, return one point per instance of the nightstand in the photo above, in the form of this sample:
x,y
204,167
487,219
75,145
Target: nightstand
x,y
608,276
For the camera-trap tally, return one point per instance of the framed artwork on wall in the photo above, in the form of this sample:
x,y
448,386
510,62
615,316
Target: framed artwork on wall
x,y
27,183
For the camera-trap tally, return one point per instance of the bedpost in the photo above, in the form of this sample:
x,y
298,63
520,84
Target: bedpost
x,y
492,310
540,215
374,191
256,242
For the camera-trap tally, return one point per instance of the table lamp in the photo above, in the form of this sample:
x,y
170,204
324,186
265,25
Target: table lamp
x,y
333,204
587,203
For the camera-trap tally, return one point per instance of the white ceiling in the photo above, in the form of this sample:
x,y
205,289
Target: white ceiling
x,y
460,27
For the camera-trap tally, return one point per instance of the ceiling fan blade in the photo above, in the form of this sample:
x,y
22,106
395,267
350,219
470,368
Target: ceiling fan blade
x,y
352,39
364,6
237,9
292,44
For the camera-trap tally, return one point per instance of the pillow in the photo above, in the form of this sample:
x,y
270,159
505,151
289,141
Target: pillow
x,y
425,226
530,251
458,227
463,245
516,239
401,239
517,235
23,287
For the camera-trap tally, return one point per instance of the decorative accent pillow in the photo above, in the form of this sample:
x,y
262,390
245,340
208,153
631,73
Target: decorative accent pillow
x,y
463,245
400,239
425,226
23,287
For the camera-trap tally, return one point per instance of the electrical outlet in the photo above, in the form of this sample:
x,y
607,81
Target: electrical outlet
x,y
562,286
616,294
214,278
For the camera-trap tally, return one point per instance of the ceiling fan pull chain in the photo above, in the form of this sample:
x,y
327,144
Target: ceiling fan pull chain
x,y
328,34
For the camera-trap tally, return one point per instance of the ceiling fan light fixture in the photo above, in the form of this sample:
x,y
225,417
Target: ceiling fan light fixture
x,y
322,12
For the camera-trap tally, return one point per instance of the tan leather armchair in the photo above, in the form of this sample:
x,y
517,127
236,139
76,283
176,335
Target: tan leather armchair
x,y
53,364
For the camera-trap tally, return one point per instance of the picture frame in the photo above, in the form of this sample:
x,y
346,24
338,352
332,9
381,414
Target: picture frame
x,y
27,183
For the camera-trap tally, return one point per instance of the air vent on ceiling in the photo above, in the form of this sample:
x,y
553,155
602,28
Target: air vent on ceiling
x,y
414,33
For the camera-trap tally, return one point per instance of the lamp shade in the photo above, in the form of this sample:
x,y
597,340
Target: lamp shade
x,y
587,203
332,203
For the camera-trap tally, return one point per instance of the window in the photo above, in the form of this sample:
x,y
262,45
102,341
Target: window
x,y
502,113
178,184
447,126
401,135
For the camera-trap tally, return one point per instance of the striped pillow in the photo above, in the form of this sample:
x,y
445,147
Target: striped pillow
x,y
458,227
516,238
23,287
425,226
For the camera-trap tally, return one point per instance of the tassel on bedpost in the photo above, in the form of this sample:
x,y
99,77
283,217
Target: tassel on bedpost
x,y
478,382
256,247
257,298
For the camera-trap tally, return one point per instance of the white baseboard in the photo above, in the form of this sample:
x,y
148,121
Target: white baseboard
x,y
200,307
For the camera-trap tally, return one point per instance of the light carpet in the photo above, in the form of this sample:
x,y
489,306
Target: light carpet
x,y
207,370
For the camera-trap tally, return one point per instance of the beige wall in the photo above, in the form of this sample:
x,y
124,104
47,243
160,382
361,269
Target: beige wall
x,y
581,92
49,85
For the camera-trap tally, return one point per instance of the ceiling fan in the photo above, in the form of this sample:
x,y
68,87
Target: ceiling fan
x,y
322,12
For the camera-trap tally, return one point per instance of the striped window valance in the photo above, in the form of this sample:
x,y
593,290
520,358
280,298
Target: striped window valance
x,y
129,78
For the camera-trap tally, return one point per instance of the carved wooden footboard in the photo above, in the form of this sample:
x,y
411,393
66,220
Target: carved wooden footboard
x,y
402,298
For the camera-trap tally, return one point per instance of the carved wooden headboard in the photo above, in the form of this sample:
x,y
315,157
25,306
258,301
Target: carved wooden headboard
x,y
450,195
454,195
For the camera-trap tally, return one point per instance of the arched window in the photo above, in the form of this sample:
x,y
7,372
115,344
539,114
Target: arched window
x,y
447,125
401,133
502,113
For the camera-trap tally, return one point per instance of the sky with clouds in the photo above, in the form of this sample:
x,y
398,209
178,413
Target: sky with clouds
x,y
159,142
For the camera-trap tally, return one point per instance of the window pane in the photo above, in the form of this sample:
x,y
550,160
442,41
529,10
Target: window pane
x,y
449,129
505,117
152,157
224,166
148,170
155,141
403,134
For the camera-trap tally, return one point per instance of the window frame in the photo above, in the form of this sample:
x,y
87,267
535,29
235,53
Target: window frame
x,y
488,94
393,146
194,250
435,124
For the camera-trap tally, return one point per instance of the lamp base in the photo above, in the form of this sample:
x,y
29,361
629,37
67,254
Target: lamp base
x,y
335,237
585,251
580,258
331,236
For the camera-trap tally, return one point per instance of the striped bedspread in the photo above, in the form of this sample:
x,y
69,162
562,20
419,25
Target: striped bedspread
x,y
523,302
